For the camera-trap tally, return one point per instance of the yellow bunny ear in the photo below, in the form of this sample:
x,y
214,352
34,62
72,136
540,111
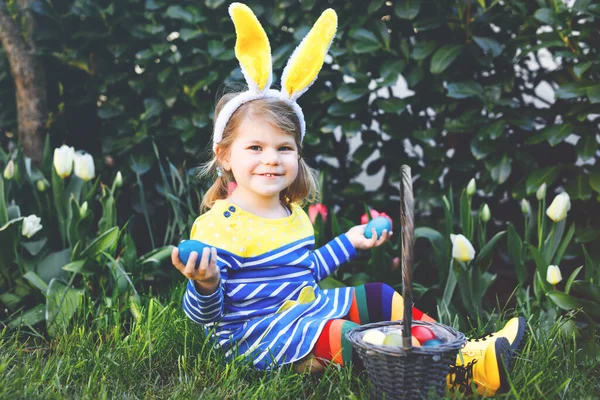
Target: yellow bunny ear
x,y
252,47
306,61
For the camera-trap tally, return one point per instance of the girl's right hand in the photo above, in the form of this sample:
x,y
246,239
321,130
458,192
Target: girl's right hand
x,y
207,276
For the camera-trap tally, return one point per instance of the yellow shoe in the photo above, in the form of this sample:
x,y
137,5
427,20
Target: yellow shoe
x,y
513,331
487,372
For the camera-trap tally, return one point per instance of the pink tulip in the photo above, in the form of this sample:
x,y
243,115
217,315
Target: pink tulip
x,y
316,209
374,214
231,187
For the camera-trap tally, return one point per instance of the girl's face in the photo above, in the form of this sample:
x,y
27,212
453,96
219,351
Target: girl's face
x,y
263,159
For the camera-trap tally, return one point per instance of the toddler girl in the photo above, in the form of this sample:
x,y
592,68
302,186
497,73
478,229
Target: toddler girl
x,y
256,289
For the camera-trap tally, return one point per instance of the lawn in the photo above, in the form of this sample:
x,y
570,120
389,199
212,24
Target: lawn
x,y
164,355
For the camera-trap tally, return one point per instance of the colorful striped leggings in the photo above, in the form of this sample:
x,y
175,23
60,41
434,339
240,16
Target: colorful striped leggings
x,y
373,302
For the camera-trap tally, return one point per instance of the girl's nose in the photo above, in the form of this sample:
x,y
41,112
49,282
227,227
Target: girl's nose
x,y
271,157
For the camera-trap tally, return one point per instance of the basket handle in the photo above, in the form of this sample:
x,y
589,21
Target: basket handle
x,y
408,233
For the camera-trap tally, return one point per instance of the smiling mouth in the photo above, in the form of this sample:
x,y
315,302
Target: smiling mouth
x,y
269,175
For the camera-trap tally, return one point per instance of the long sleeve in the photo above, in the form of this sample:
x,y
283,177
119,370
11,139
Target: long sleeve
x,y
329,257
204,309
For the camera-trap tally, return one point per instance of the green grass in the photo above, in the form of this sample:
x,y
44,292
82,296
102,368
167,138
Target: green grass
x,y
166,356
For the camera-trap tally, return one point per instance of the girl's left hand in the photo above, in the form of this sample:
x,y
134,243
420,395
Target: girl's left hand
x,y
356,235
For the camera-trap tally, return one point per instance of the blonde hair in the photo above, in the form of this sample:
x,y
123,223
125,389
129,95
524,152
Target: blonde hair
x,y
278,114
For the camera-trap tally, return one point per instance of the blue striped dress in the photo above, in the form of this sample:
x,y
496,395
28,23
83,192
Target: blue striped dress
x,y
264,263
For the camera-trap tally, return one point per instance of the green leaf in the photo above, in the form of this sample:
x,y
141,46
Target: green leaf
x,y
407,9
61,304
595,179
587,289
36,281
593,93
570,91
392,105
545,15
374,5
465,215
51,266
3,208
179,13
341,109
553,134
213,4
443,57
463,90
365,47
154,107
563,300
578,187
486,252
539,176
571,279
501,170
330,283
488,45
579,69
351,92
564,244
36,246
102,243
587,147
77,267
364,35
423,49
29,317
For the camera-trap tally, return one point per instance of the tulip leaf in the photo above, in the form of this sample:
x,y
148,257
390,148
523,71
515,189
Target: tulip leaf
x,y
571,279
102,242
563,245
29,317
553,240
465,215
443,57
34,247
3,208
330,283
486,251
564,301
515,249
62,302
587,289
36,281
51,265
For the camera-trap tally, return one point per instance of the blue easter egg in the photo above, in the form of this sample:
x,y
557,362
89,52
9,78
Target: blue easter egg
x,y
379,223
187,247
432,342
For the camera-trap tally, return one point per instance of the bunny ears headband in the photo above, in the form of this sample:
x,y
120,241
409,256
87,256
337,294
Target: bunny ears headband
x,y
253,51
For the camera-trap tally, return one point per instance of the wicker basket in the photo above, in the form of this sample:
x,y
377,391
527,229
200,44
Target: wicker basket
x,y
407,372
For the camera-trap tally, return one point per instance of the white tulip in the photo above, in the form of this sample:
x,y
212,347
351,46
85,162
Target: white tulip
x,y
471,187
118,180
541,192
525,207
31,225
63,160
553,275
559,207
9,171
486,215
462,249
84,166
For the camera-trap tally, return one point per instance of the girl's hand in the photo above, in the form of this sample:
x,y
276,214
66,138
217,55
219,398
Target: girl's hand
x,y
356,235
207,277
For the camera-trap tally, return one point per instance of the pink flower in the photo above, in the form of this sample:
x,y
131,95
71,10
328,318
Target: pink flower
x,y
395,263
316,209
374,214
231,187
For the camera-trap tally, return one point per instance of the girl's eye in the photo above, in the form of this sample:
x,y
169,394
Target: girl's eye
x,y
286,148
256,148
